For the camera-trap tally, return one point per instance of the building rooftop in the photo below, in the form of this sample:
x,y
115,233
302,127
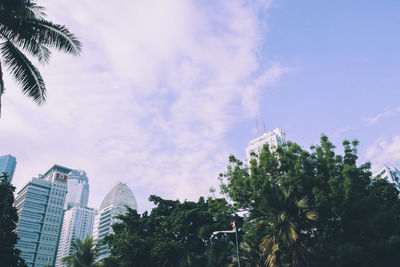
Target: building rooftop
x,y
120,195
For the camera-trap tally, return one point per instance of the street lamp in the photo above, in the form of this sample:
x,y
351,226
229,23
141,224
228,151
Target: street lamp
x,y
235,231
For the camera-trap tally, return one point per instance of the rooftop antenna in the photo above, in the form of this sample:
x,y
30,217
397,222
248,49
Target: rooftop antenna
x,y
258,128
264,126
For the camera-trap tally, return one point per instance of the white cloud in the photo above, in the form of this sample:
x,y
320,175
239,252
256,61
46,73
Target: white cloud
x,y
151,99
376,118
384,151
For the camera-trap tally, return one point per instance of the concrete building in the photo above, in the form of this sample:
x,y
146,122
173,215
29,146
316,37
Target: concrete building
x,y
273,139
390,174
113,204
40,209
77,224
78,190
8,164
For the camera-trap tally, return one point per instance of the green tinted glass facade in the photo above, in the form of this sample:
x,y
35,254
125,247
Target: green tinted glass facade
x,y
40,208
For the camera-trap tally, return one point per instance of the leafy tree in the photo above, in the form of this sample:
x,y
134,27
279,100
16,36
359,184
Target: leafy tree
x,y
24,28
84,254
282,227
358,217
250,256
9,255
174,234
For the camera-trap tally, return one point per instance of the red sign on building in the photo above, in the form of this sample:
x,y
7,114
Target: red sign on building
x,y
61,177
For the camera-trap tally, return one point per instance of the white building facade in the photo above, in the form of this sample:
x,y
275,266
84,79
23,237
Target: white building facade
x,y
273,139
390,174
77,224
113,204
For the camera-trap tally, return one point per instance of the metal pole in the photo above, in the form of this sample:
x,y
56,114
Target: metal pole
x,y
237,246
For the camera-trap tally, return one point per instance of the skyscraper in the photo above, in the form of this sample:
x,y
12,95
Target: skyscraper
x,y
77,224
8,164
40,209
390,174
113,204
273,139
78,189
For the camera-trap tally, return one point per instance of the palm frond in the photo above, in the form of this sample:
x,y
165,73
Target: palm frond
x,y
54,35
1,85
311,215
1,82
68,260
36,11
27,42
27,32
272,259
302,203
267,243
26,74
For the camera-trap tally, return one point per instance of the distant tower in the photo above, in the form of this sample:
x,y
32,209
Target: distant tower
x,y
77,224
390,174
78,218
113,204
78,189
8,164
40,209
273,139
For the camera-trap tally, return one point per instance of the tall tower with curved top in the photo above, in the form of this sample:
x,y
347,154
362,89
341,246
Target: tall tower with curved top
x,y
114,204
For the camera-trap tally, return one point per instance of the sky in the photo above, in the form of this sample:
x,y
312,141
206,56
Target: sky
x,y
165,91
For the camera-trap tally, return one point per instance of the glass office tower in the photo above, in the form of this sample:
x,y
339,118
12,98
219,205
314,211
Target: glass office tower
x,y
40,209
78,190
8,164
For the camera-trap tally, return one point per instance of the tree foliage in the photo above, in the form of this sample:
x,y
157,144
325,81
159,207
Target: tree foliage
x,y
9,255
358,217
23,28
84,254
174,234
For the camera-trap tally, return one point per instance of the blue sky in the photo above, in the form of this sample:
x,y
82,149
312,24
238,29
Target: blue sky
x,y
164,91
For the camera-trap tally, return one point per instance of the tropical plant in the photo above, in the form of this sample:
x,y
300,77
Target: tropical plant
x,y
10,256
23,28
84,254
250,256
358,216
283,228
174,234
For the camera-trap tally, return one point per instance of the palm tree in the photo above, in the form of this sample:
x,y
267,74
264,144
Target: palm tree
x,y
24,28
84,255
284,228
250,256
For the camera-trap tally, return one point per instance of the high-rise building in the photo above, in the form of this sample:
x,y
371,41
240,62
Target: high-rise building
x,y
390,174
113,204
8,164
78,189
273,139
77,224
40,209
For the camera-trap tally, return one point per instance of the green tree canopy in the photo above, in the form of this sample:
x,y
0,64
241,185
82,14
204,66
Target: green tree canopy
x,y
9,255
358,217
84,254
174,234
